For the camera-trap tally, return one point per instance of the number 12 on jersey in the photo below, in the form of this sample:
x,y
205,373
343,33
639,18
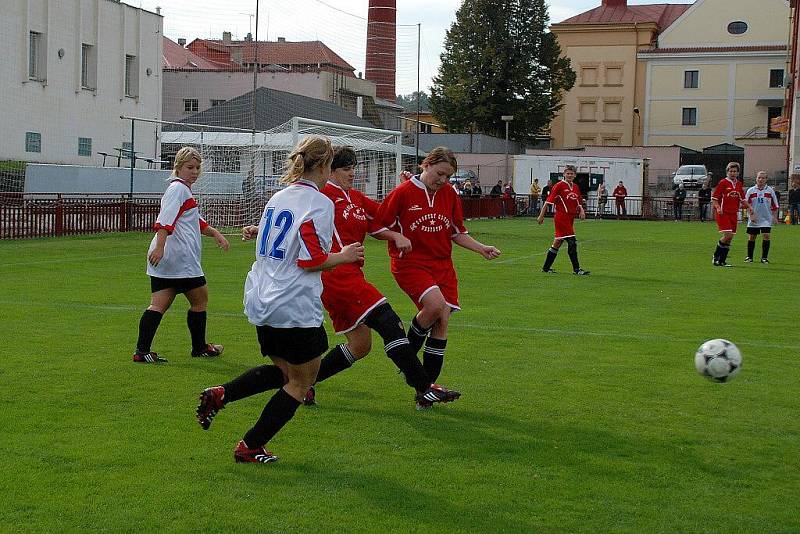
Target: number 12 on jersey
x,y
283,222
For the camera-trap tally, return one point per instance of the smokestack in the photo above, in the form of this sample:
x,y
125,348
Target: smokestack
x,y
615,3
181,41
226,38
381,40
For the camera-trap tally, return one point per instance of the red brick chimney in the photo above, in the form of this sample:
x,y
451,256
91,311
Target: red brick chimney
x,y
381,63
615,3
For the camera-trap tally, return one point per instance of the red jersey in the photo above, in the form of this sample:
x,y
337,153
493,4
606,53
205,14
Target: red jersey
x,y
566,197
729,193
620,192
354,215
429,220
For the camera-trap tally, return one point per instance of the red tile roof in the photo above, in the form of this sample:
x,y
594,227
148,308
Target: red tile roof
x,y
284,52
661,14
701,49
177,57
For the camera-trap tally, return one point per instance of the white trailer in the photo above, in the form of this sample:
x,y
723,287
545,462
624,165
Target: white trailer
x,y
591,171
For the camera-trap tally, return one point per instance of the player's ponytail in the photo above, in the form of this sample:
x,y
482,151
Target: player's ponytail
x,y
309,154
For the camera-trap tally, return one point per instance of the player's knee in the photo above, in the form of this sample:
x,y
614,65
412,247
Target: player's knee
x,y
386,323
360,347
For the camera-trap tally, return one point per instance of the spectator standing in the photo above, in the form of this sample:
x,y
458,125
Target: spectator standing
x,y
704,198
678,198
497,189
794,199
619,199
536,192
602,200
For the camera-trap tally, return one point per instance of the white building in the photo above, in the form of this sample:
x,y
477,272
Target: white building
x,y
70,69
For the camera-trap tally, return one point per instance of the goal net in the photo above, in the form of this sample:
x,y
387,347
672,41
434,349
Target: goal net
x,y
241,170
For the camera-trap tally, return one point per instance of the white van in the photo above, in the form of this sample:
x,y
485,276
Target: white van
x,y
690,176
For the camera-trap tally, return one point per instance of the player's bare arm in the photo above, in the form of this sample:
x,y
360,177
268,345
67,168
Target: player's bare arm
x,y
468,242
349,254
249,232
222,242
402,243
158,251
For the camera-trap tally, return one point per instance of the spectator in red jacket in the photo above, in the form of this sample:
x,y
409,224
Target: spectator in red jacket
x,y
619,198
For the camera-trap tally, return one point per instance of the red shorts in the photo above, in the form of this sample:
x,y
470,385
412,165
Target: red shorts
x,y
348,297
563,222
418,278
727,222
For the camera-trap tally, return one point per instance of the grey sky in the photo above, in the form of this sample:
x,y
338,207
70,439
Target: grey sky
x,y
341,24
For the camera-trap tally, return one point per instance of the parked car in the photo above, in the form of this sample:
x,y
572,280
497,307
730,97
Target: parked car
x,y
691,176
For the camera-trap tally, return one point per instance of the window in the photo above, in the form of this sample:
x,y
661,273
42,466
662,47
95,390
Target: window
x,y
611,141
613,75
612,111
33,142
424,127
36,56
84,146
190,104
213,103
737,28
587,111
689,117
131,76
589,76
691,79
88,67
775,78
584,140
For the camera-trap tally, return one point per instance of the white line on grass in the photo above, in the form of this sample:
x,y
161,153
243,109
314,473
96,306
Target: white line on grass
x,y
76,259
456,325
528,256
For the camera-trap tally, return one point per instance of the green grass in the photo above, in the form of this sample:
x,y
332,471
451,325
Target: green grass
x,y
581,409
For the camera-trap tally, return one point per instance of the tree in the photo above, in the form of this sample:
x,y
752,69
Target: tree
x,y
499,59
409,102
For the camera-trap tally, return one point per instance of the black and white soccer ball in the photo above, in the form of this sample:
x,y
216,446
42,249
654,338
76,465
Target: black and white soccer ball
x,y
718,360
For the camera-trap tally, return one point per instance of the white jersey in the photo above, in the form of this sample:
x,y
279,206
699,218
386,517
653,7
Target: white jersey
x,y
180,217
764,203
294,234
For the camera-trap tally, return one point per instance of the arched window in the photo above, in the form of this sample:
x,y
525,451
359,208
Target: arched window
x,y
737,28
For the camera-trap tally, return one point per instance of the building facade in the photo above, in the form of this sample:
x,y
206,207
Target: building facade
x,y
71,68
716,75
605,106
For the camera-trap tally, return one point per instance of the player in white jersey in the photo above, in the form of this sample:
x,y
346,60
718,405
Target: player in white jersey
x,y
173,261
765,205
282,298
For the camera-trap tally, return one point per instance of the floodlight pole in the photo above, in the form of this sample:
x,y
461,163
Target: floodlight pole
x,y
416,142
507,119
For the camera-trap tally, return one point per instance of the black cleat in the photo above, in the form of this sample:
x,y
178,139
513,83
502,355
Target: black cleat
x,y
748,260
764,260
310,398
148,357
435,393
581,272
549,271
210,351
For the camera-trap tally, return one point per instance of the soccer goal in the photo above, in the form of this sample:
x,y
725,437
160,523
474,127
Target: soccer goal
x,y
241,169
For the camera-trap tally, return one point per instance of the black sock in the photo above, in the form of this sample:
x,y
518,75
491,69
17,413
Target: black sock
x,y
196,321
765,248
433,357
148,325
417,334
338,359
408,363
278,411
551,257
256,380
723,254
572,252
751,247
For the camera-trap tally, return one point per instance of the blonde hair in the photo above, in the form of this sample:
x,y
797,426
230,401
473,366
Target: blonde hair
x,y
441,154
310,153
185,154
733,165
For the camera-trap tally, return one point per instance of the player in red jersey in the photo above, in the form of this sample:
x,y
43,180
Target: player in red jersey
x,y
728,198
427,211
355,306
565,197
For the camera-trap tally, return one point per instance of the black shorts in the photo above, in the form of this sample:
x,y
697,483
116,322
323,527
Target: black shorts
x,y
180,285
295,345
755,230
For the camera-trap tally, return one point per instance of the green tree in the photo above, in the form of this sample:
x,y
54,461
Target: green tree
x,y
409,102
499,59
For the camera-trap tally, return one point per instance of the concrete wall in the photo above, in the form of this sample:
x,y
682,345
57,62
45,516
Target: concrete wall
x,y
772,159
468,143
488,167
57,106
206,86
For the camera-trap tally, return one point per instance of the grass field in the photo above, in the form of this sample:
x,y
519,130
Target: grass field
x,y
581,409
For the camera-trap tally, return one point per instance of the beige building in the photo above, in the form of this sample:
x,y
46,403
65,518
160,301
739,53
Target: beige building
x,y
716,75
606,105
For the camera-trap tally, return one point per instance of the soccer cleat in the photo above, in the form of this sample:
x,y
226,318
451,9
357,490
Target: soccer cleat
x,y
715,262
748,260
148,357
212,400
253,456
310,398
764,260
549,271
581,272
723,264
211,351
435,393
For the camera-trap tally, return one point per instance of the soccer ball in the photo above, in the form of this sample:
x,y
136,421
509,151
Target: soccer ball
x,y
718,360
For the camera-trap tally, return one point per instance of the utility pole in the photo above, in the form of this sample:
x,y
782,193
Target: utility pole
x,y
507,119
